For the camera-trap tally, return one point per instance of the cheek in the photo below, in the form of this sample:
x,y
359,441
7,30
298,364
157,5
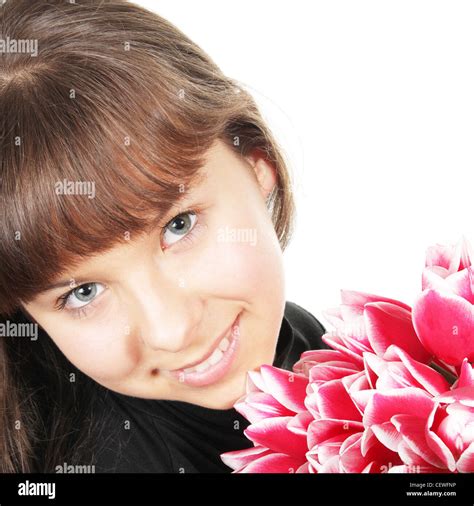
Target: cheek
x,y
103,352
252,275
242,269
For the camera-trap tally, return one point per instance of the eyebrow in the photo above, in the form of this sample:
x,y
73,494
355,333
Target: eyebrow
x,y
66,283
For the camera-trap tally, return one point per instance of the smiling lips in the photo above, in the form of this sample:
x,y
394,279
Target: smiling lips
x,y
212,357
216,364
215,357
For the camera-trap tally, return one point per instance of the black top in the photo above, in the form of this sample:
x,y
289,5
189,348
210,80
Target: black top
x,y
163,436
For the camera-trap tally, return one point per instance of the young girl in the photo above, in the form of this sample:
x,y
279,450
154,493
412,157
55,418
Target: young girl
x,y
145,209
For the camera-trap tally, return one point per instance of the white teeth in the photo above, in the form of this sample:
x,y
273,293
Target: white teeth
x,y
202,366
224,344
215,357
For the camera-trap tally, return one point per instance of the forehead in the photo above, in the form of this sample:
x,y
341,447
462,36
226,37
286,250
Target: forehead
x,y
224,167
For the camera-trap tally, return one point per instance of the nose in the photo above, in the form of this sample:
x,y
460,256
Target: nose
x,y
164,314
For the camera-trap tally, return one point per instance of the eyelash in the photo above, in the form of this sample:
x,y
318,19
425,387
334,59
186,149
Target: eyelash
x,y
78,312
188,239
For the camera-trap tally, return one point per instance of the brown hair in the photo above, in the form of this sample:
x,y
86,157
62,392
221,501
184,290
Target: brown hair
x,y
118,96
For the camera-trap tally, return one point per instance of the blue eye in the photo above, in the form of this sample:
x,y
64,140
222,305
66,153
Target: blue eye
x,y
179,226
81,296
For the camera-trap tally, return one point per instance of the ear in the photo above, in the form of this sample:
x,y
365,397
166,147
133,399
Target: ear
x,y
264,171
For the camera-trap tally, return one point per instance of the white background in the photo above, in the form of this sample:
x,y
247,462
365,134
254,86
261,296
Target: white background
x,y
373,103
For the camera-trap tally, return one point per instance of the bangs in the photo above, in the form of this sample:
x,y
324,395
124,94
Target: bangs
x,y
93,184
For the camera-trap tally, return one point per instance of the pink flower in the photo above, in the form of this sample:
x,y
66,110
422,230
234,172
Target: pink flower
x,y
449,258
337,438
371,323
343,435
336,435
324,365
274,404
308,422
409,413
443,314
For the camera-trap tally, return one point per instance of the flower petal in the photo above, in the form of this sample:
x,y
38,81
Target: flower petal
x,y
387,434
239,458
390,324
289,388
320,430
331,400
299,423
304,468
336,342
410,401
354,460
273,433
427,377
331,466
466,376
354,298
256,406
408,456
463,395
351,459
465,464
327,372
274,463
329,448
459,283
453,257
254,382
420,441
445,325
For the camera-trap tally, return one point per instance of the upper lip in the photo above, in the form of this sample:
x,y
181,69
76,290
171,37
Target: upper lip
x,y
211,351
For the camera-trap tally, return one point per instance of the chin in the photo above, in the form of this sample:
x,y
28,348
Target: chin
x,y
225,395
221,405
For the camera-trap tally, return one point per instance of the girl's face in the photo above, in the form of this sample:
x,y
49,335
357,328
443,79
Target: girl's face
x,y
165,300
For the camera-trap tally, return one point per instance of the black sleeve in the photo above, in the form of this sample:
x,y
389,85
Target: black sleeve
x,y
130,443
308,328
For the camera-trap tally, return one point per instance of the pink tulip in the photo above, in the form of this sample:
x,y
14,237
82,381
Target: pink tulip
x,y
449,259
439,440
410,413
337,438
323,365
445,325
443,314
371,323
454,425
466,376
274,404
404,372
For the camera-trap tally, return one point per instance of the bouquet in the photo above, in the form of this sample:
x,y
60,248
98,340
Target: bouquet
x,y
394,394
